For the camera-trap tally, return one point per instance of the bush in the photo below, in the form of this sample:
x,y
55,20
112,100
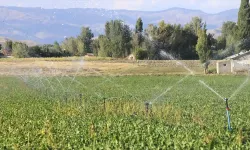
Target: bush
x,y
141,54
19,50
35,51
212,71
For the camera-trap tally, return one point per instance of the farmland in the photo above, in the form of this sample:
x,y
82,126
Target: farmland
x,y
97,66
108,112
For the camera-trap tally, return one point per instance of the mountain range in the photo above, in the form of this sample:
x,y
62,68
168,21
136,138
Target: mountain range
x,y
48,25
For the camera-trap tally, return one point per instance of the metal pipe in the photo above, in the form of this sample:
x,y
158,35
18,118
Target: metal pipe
x,y
228,115
146,108
80,99
104,104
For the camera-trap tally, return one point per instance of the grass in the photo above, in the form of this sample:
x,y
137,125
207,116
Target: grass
x,y
108,113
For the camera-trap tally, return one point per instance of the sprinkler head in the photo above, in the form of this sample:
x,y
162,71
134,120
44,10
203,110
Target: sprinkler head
x,y
227,106
148,104
148,107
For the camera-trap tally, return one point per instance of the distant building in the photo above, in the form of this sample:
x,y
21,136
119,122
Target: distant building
x,y
234,64
240,56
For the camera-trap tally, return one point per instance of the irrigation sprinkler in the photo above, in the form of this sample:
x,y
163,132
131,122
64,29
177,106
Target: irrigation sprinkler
x,y
228,115
46,92
80,99
148,106
104,104
66,97
227,106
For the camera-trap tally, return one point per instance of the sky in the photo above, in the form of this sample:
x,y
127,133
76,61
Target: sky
x,y
208,6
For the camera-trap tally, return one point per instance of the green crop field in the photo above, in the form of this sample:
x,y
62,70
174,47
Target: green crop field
x,y
109,112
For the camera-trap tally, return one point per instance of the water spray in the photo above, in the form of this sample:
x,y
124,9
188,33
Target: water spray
x,y
227,106
228,115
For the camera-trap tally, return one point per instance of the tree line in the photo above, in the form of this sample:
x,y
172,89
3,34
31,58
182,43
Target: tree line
x,y
190,41
119,41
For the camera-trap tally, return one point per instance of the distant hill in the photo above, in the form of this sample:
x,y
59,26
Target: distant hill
x,y
28,42
47,25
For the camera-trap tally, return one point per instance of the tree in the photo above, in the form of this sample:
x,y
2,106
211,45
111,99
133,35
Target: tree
x,y
57,46
196,24
126,40
162,35
244,44
150,46
211,41
138,35
137,40
228,28
20,50
184,41
173,39
86,38
105,47
221,43
244,20
96,46
69,45
139,26
118,36
228,39
202,48
35,51
8,47
107,29
81,51
141,54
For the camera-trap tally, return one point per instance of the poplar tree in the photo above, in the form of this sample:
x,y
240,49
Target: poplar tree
x,y
244,20
202,48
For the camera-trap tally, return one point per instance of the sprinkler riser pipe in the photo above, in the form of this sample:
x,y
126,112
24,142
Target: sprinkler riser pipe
x,y
229,121
80,99
147,107
228,115
104,104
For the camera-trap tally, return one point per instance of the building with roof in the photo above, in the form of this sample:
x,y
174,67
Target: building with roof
x,y
234,64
